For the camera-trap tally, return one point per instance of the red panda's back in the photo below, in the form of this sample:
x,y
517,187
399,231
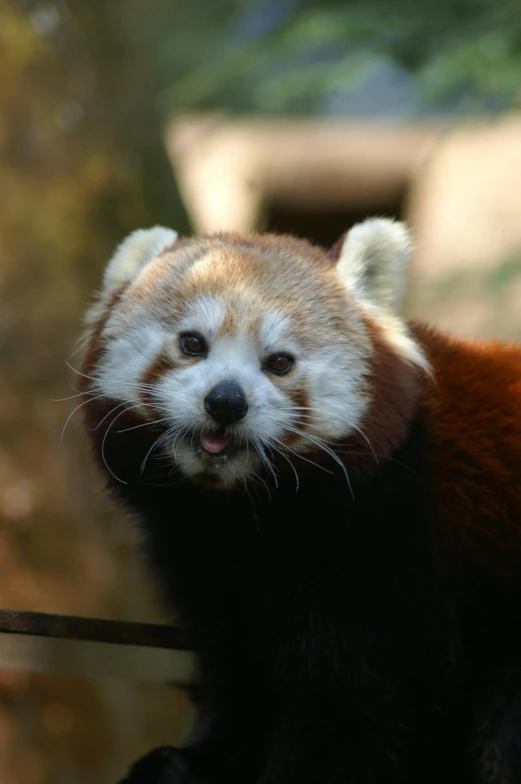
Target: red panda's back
x,y
473,416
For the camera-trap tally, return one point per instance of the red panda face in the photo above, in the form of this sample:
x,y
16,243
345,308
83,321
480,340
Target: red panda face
x,y
244,351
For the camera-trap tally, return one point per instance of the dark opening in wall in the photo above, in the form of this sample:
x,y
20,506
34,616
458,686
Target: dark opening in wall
x,y
324,227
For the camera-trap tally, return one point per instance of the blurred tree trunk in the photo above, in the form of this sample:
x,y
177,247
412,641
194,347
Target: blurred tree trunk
x,y
76,176
126,100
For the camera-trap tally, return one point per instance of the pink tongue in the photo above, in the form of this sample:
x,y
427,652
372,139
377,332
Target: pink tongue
x,y
215,443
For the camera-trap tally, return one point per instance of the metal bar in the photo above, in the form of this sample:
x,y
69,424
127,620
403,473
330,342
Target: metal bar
x,y
92,647
72,627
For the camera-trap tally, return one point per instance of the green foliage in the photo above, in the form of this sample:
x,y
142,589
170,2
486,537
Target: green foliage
x,y
291,55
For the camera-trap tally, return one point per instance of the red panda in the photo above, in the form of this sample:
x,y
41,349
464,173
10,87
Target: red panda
x,y
331,498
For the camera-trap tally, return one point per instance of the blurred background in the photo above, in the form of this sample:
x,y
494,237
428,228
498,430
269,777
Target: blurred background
x,y
286,115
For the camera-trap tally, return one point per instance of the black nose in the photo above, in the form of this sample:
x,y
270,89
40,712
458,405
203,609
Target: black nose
x,y
226,403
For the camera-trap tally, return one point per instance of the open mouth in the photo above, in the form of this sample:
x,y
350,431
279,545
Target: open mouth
x,y
217,458
219,444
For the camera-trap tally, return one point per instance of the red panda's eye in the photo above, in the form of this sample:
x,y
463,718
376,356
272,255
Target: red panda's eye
x,y
192,344
280,364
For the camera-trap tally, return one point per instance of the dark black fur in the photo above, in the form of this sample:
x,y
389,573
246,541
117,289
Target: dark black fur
x,y
337,644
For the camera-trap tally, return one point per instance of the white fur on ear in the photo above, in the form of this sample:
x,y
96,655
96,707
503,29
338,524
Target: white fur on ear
x,y
372,265
134,253
373,261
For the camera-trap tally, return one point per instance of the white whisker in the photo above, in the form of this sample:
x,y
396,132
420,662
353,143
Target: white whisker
x,y
322,445
264,459
125,403
282,454
105,439
78,373
359,430
74,411
142,424
70,397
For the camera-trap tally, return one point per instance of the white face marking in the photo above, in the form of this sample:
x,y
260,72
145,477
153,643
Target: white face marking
x,y
336,398
274,333
204,315
182,392
127,358
330,376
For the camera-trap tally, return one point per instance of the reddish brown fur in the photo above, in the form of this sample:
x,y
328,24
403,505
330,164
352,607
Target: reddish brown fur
x,y
162,365
247,258
302,419
94,347
473,407
394,386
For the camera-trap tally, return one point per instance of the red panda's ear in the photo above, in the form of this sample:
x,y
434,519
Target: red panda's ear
x,y
134,253
371,261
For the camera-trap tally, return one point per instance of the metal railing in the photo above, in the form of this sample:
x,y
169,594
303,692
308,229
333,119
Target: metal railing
x,y
94,647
